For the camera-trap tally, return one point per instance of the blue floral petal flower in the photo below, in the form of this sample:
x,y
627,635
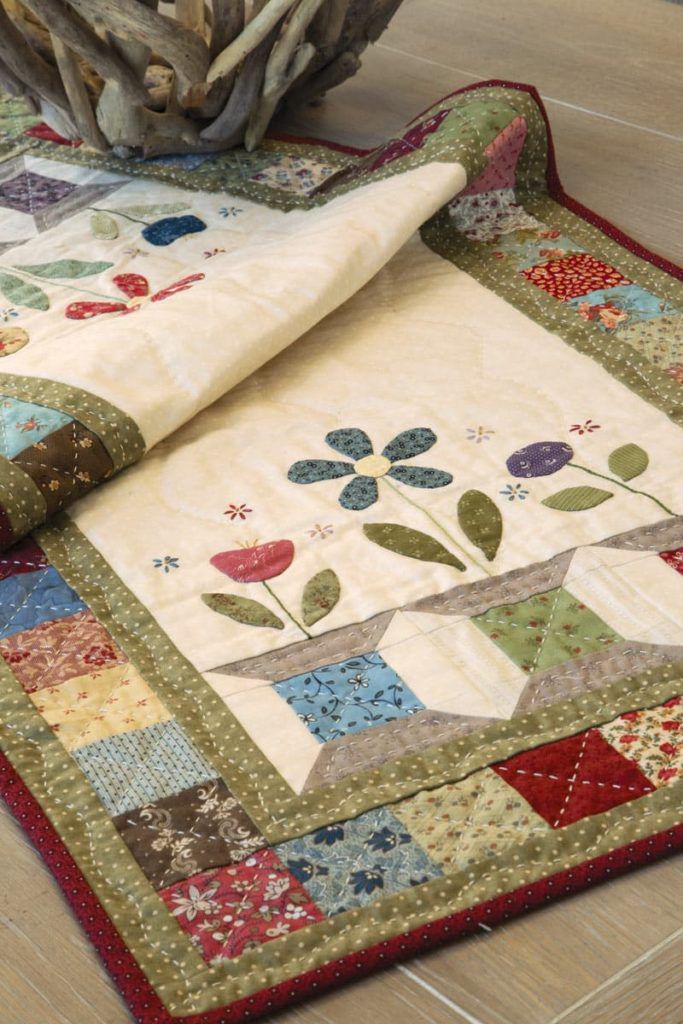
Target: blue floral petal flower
x,y
409,443
359,493
420,476
309,471
350,441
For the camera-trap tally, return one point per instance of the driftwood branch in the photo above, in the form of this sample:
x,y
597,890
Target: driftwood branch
x,y
123,76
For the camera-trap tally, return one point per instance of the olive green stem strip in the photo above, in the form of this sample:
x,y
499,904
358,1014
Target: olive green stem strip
x,y
286,610
118,213
439,526
620,483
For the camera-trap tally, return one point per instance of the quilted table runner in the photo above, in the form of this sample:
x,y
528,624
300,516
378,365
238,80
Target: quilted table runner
x,y
382,640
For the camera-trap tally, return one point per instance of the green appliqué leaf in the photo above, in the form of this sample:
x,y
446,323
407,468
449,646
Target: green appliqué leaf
x,y
242,609
104,226
64,268
320,595
23,293
628,461
576,499
481,522
150,209
413,543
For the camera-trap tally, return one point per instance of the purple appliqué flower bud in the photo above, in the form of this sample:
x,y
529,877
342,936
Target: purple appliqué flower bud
x,y
542,458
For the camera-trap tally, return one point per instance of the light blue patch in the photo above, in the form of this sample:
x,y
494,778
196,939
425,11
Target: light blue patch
x,y
353,863
23,423
139,767
186,161
348,696
32,598
528,254
630,299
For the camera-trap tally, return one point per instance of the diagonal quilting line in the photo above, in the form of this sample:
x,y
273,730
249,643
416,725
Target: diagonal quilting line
x,y
56,653
572,779
137,766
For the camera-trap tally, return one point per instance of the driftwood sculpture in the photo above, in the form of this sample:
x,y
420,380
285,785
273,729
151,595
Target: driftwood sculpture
x,y
144,77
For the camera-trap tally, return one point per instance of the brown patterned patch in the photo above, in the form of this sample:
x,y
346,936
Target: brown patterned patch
x,y
66,464
181,835
54,652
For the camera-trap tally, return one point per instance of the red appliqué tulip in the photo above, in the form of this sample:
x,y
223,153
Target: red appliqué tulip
x,y
255,564
136,288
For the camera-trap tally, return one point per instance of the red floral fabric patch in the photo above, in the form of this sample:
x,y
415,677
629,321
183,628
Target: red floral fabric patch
x,y
236,908
673,558
575,777
573,276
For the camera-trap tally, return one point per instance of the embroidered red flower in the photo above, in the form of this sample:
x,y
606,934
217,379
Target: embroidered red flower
x,y
136,288
255,564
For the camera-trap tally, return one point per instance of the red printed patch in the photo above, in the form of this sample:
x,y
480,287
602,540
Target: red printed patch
x,y
673,558
573,276
573,778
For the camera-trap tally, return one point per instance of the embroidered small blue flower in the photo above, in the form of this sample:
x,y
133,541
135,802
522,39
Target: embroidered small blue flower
x,y
8,313
166,563
368,468
512,491
479,434
230,211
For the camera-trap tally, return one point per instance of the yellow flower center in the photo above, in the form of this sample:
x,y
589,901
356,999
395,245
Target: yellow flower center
x,y
373,465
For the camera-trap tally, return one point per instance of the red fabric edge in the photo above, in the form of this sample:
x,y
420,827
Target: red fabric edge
x,y
124,970
146,1006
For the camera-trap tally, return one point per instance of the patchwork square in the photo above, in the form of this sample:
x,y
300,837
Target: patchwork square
x,y
354,863
348,696
483,216
660,339
53,652
30,192
652,739
141,767
66,464
465,822
200,828
27,599
25,556
546,630
574,778
24,423
615,308
294,174
237,908
527,248
105,703
577,274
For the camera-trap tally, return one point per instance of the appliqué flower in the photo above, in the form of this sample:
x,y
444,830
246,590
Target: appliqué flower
x,y
512,491
257,563
584,428
479,434
166,563
367,467
136,287
543,458
237,511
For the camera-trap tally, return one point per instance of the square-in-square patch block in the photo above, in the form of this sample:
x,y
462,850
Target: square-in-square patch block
x,y
30,598
30,192
353,863
546,630
348,696
140,767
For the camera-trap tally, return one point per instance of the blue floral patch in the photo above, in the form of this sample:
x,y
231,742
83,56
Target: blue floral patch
x,y
355,862
29,599
140,767
23,423
616,307
348,696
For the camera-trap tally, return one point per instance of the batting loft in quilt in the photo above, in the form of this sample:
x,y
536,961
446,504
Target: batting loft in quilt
x,y
383,637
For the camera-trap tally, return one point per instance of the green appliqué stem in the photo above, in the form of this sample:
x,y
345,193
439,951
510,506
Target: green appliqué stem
x,y
620,483
438,525
287,612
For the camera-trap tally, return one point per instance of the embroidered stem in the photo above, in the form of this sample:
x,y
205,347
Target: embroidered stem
x,y
438,525
59,284
286,610
118,213
620,483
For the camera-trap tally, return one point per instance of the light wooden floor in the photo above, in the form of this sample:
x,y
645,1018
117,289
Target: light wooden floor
x,y
611,74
